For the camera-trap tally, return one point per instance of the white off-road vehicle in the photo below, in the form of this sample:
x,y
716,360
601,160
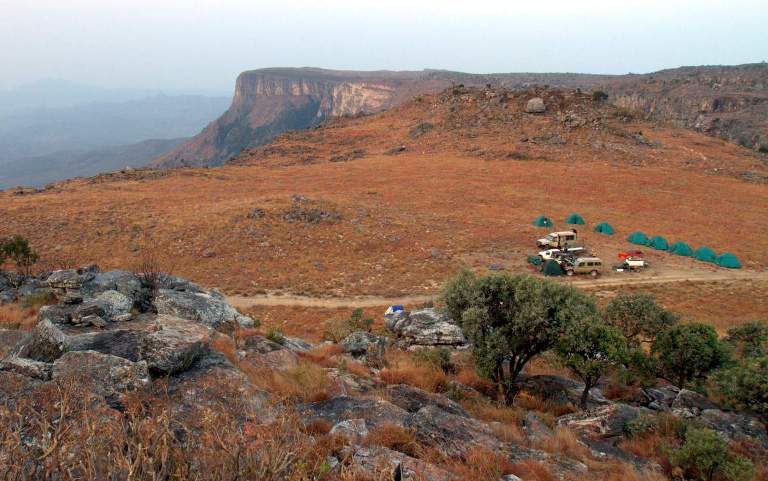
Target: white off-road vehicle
x,y
557,239
553,253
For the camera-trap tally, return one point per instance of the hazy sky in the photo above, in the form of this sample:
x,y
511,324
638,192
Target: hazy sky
x,y
204,44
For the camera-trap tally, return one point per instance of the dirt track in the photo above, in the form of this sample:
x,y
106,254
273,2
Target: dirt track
x,y
243,302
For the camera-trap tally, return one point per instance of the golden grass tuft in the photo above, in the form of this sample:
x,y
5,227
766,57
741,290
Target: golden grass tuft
x,y
16,316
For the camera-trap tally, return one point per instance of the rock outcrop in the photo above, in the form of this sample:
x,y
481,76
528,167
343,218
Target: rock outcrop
x,y
425,327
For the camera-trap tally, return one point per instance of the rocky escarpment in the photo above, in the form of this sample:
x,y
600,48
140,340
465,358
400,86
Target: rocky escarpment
x,y
730,102
270,101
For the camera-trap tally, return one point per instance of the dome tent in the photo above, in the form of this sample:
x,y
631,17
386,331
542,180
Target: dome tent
x,y
604,228
726,259
543,221
681,248
574,218
535,260
638,237
552,268
705,254
658,242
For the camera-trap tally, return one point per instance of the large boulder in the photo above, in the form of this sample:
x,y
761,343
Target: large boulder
x,y
368,462
104,374
340,408
359,343
425,327
206,307
735,425
27,367
536,105
451,433
172,345
602,422
71,279
412,399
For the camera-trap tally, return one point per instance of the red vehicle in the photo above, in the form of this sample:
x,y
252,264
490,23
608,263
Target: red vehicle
x,y
625,254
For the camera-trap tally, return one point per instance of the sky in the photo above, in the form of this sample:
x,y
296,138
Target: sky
x,y
203,44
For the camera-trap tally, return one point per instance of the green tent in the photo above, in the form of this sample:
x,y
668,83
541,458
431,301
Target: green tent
x,y
638,237
681,248
604,228
658,242
535,260
552,268
726,259
705,254
543,221
574,218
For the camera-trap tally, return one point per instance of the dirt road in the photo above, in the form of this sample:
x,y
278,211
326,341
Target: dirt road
x,y
243,302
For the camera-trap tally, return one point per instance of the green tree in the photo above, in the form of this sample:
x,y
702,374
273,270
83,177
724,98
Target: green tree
x,y
589,348
749,339
20,252
509,319
705,456
688,351
745,384
638,315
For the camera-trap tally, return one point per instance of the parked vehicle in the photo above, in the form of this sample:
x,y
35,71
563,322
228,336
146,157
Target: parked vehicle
x,y
553,253
558,240
583,265
630,253
632,264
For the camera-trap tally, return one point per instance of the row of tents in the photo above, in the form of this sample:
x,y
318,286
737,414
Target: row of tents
x,y
703,253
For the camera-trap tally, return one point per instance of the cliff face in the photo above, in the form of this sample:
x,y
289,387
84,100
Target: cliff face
x,y
727,102
271,101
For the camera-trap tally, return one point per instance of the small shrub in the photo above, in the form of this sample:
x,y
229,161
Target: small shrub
x,y
17,249
744,385
439,358
749,339
599,96
640,425
274,334
337,329
705,456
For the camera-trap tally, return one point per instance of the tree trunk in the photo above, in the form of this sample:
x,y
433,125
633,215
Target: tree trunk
x,y
585,396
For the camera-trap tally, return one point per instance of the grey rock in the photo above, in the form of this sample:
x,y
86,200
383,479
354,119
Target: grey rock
x,y
58,313
114,303
426,327
70,278
735,425
367,462
535,428
509,477
412,399
174,344
353,429
208,307
92,320
27,367
261,345
295,344
360,342
601,422
690,404
535,106
451,433
107,375
559,390
337,409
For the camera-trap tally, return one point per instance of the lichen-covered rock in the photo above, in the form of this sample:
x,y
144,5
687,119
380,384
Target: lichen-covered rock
x,y
27,367
535,428
352,429
368,462
296,344
735,425
337,409
425,327
173,344
206,307
602,422
104,374
450,433
412,399
360,342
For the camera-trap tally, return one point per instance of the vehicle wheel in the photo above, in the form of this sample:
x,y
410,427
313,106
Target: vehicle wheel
x,y
569,273
593,273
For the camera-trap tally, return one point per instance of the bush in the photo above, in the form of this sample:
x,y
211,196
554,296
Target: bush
x,y
337,329
511,319
638,315
599,96
588,348
705,456
274,334
745,384
685,352
17,249
749,339
439,358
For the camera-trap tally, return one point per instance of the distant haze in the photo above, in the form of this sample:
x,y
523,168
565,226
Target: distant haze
x,y
200,46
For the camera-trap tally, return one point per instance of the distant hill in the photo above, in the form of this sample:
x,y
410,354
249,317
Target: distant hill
x,y
40,170
94,125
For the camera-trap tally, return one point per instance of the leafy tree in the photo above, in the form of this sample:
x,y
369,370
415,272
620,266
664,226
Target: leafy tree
x,y
589,348
705,456
749,339
745,384
19,251
510,319
688,351
639,316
